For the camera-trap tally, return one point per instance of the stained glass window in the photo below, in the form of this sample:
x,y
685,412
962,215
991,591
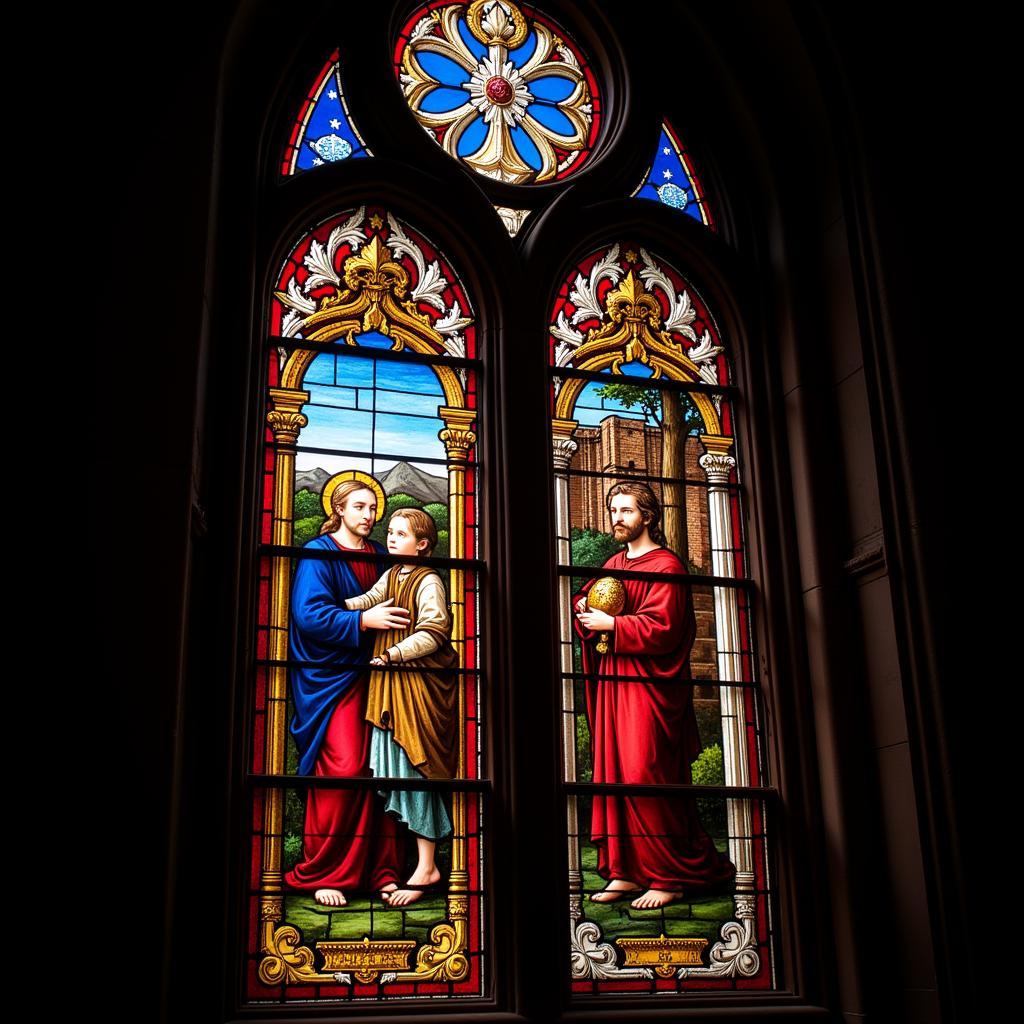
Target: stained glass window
x,y
500,87
367,845
371,803
323,131
673,181
662,734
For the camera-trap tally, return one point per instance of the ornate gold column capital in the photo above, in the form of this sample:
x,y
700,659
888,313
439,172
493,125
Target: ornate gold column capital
x,y
717,461
457,437
286,418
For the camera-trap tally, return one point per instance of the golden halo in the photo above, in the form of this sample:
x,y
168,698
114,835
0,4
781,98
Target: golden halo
x,y
371,482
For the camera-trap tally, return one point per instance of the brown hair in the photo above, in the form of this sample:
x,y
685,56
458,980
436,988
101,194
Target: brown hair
x,y
338,499
646,501
421,524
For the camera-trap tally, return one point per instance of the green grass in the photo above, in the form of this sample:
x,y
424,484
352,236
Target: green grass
x,y
363,917
698,918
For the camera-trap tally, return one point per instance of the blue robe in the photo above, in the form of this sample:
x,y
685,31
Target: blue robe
x,y
324,633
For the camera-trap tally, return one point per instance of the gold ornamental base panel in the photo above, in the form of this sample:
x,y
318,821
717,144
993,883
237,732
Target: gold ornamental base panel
x,y
665,955
366,959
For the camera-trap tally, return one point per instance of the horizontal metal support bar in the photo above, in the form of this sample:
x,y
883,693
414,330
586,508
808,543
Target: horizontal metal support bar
x,y
335,348
255,780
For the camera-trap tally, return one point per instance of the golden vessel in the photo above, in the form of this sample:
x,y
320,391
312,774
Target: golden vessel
x,y
607,595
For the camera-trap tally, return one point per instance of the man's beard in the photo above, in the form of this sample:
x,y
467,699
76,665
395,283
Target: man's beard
x,y
626,536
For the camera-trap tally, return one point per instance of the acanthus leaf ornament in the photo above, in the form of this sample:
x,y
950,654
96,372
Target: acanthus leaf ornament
x,y
649,318
365,278
592,958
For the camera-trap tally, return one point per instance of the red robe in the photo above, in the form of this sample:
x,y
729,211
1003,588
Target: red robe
x,y
349,843
646,732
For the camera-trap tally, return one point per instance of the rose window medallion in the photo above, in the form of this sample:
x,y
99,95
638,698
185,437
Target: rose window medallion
x,y
510,96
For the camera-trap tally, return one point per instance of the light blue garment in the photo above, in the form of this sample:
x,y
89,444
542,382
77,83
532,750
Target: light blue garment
x,y
424,813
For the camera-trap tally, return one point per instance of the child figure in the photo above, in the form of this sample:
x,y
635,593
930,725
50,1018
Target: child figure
x,y
413,708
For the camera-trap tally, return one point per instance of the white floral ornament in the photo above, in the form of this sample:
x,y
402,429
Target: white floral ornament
x,y
429,283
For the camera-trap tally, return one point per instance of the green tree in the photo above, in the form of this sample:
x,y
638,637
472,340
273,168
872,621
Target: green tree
x,y
590,547
307,505
306,529
709,770
439,513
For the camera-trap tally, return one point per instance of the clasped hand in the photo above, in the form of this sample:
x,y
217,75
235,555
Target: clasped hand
x,y
592,618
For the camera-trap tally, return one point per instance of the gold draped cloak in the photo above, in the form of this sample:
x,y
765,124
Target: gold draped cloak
x,y
418,703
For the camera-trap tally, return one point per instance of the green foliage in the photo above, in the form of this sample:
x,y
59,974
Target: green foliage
x,y
306,529
649,401
709,770
294,808
439,513
307,505
584,754
629,395
292,850
443,544
589,547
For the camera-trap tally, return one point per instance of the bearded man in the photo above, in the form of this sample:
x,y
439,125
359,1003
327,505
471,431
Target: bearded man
x,y
643,729
348,840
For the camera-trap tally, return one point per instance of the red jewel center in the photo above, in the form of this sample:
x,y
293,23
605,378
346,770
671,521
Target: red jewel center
x,y
500,91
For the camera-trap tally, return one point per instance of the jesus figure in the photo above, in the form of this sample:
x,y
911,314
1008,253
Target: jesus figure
x,y
643,729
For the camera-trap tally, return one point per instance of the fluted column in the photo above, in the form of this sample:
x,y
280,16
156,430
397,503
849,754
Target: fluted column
x,y
563,447
718,462
458,440
286,420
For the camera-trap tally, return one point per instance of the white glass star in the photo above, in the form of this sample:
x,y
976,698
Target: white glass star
x,y
335,123
317,162
332,95
666,150
666,174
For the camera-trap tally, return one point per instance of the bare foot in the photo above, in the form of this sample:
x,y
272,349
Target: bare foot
x,y
402,897
386,891
330,897
614,890
654,898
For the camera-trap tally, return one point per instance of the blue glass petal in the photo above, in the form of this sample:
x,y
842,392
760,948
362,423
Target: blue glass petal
x,y
521,54
473,44
472,138
443,99
443,69
553,118
552,88
526,148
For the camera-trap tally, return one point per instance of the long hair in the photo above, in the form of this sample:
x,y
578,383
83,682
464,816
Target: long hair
x,y
422,525
338,499
646,501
